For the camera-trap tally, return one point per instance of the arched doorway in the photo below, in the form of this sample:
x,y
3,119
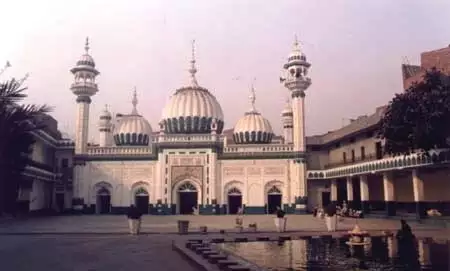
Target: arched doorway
x,y
103,201
187,198
142,200
273,199
234,200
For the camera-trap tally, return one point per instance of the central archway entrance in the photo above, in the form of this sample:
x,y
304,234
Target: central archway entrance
x,y
274,197
103,201
187,198
234,200
142,200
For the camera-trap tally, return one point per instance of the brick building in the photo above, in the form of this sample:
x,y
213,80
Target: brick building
x,y
437,58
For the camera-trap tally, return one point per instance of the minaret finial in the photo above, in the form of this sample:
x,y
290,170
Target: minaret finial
x,y
86,45
106,107
252,97
134,101
295,40
193,69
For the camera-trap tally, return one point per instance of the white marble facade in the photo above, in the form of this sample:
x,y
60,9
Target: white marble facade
x,y
213,179
191,151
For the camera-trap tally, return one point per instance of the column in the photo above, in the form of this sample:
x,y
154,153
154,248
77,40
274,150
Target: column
x,y
419,198
334,191
349,192
388,187
298,109
364,194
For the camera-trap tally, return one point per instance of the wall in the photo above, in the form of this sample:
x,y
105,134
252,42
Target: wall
x,y
254,178
436,185
40,195
336,153
121,178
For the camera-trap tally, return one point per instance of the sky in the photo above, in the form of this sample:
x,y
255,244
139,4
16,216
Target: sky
x,y
355,47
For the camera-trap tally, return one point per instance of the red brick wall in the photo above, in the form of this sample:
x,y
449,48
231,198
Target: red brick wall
x,y
438,58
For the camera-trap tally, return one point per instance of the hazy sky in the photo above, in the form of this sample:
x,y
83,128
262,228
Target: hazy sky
x,y
355,48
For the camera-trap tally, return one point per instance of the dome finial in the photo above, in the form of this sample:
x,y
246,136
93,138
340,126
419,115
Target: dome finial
x,y
193,69
252,97
86,45
134,101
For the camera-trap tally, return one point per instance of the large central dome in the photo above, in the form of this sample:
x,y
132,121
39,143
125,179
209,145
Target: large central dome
x,y
192,109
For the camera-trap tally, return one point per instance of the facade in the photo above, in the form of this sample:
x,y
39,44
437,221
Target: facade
x,y
48,177
191,162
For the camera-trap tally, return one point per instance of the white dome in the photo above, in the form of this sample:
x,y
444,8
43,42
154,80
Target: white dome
x,y
252,128
132,130
192,109
287,110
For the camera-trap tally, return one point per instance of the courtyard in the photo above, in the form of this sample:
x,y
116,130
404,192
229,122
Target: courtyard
x,y
102,242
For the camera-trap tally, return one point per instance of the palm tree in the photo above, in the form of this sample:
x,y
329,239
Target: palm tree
x,y
17,121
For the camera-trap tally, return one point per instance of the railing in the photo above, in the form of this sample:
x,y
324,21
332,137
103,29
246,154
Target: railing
x,y
367,158
84,84
189,138
119,150
253,148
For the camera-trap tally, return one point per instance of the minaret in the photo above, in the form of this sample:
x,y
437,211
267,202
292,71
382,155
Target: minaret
x,y
83,87
287,120
105,128
297,82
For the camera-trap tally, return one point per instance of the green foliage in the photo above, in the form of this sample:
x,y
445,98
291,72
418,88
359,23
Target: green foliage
x,y
418,119
17,121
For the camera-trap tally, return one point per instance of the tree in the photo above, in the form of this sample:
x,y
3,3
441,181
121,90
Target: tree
x,y
17,121
418,119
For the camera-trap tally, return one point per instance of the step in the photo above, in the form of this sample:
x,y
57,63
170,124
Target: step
x,y
216,258
206,254
223,264
237,268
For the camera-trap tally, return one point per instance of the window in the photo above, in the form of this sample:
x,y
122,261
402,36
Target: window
x,y
363,153
353,155
344,157
65,163
379,150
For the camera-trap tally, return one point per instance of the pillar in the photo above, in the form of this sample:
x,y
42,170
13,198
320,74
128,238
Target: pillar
x,y
419,199
365,206
334,191
349,192
388,187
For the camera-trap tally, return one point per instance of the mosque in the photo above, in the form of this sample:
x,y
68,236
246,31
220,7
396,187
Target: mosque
x,y
190,163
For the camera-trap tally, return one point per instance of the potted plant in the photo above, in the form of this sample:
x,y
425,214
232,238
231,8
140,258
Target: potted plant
x,y
253,227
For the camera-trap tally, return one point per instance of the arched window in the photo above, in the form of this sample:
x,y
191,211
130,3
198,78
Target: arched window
x,y
187,187
274,190
103,192
141,192
234,192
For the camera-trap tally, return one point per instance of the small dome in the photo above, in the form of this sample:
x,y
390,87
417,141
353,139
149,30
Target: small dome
x,y
297,57
192,109
287,110
87,60
252,128
133,129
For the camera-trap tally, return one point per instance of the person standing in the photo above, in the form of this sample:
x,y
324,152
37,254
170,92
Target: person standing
x,y
134,219
280,220
330,217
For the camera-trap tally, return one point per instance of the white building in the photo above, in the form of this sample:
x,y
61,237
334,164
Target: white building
x,y
189,162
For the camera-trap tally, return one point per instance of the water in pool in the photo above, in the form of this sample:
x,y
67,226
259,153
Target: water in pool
x,y
334,254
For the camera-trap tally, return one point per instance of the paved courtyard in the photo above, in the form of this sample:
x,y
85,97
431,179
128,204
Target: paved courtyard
x,y
102,243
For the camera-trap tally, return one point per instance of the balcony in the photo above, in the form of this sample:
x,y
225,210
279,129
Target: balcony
x,y
128,151
258,148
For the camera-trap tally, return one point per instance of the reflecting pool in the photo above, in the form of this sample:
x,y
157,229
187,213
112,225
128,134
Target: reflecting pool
x,y
383,253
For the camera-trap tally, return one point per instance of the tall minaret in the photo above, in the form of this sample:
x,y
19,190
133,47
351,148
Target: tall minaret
x,y
297,81
287,119
105,128
83,87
